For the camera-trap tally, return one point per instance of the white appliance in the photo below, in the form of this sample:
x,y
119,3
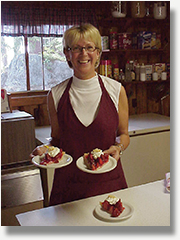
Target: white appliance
x,y
147,158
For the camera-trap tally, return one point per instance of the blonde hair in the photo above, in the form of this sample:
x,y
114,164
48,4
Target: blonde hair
x,y
85,31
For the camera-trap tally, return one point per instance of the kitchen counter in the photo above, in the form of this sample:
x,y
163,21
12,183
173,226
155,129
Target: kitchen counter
x,y
150,202
138,124
148,123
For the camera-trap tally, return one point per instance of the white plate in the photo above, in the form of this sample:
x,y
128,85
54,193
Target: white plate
x,y
66,160
109,166
105,216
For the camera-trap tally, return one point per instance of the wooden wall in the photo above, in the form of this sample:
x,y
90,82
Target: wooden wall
x,y
148,97
34,103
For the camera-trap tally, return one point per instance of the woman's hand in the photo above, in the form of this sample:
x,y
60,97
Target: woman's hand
x,y
114,151
38,151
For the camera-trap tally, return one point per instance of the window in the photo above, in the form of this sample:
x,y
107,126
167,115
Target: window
x,y
31,42
44,67
13,75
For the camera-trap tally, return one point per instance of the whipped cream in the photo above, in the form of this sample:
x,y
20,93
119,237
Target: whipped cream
x,y
53,151
112,199
97,153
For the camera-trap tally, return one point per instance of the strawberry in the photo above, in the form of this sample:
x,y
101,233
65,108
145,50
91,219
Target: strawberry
x,y
119,206
48,157
115,213
97,165
100,161
105,205
93,167
111,209
58,156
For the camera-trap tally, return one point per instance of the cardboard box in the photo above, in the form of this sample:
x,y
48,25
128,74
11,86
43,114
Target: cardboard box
x,y
144,40
148,72
159,68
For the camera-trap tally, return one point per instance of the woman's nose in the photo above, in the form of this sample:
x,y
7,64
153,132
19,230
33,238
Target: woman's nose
x,y
83,51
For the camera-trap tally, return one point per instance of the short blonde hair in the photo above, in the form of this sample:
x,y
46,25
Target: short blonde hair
x,y
86,31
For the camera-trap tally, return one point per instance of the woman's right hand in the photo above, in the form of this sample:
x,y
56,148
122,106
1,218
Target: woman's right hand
x,y
39,150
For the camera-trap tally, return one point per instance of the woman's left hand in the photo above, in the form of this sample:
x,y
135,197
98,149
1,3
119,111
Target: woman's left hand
x,y
114,151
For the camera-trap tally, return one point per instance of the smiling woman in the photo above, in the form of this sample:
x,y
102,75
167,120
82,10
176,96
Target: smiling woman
x,y
87,111
82,47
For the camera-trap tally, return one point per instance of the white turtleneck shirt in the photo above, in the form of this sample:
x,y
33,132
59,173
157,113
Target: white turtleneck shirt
x,y
85,96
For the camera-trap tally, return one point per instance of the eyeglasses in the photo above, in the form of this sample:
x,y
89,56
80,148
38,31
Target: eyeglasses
x,y
78,49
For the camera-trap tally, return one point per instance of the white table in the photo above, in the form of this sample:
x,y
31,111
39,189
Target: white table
x,y
150,201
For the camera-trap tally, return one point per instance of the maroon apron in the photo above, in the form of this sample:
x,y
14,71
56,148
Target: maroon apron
x,y
70,183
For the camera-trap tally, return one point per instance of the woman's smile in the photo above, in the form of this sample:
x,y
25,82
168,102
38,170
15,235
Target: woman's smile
x,y
83,61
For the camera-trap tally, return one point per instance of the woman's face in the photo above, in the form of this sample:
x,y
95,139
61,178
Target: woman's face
x,y
83,62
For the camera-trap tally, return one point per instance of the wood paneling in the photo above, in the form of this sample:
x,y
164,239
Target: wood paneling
x,y
36,105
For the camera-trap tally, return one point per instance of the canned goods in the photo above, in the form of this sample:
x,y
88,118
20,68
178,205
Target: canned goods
x,y
106,68
124,40
102,67
105,42
113,40
116,71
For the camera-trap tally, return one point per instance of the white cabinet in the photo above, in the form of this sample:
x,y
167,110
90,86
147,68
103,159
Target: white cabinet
x,y
148,156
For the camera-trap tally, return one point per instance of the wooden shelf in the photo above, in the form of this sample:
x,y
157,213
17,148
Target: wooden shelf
x,y
147,82
129,20
146,51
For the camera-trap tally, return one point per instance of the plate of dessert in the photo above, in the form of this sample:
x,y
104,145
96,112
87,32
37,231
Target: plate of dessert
x,y
96,162
113,209
54,158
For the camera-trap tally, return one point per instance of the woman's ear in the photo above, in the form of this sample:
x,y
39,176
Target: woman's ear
x,y
66,53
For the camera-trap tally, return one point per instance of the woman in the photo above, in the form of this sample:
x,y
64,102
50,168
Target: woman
x,y
86,112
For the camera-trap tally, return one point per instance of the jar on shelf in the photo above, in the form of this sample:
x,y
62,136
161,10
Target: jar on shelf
x,y
160,10
138,9
119,9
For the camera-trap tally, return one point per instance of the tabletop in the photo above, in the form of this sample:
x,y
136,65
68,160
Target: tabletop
x,y
150,202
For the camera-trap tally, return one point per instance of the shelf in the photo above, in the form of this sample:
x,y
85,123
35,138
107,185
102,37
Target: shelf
x,y
128,20
132,51
147,82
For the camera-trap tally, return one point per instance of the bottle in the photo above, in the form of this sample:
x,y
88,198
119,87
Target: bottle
x,y
113,40
155,74
131,65
116,71
137,72
127,73
142,72
121,76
